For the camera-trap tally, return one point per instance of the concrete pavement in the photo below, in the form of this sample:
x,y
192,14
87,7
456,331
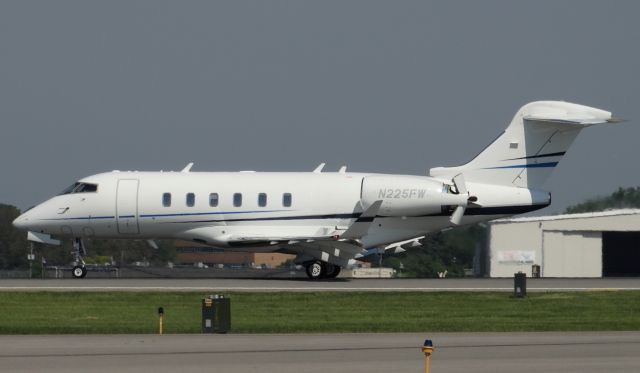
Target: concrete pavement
x,y
454,352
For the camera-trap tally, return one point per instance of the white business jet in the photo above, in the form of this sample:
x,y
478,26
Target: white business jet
x,y
327,219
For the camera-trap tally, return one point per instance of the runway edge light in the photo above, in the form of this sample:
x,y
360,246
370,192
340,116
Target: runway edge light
x,y
427,348
161,317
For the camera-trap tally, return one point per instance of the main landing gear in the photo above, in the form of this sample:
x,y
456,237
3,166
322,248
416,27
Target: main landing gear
x,y
79,270
317,270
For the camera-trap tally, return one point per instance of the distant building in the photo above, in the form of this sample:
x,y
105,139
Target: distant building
x,y
600,244
194,253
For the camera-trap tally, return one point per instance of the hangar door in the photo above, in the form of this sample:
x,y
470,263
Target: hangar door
x,y
571,254
620,254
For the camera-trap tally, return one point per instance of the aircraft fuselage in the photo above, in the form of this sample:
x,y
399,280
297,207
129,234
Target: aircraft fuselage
x,y
178,205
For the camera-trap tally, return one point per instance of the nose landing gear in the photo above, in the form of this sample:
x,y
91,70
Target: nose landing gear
x,y
79,270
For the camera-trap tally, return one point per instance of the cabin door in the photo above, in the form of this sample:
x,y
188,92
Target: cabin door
x,y
127,206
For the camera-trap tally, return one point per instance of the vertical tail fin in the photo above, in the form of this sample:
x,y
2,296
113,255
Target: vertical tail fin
x,y
531,147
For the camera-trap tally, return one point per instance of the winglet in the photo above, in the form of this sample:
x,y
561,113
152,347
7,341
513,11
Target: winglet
x,y
615,120
319,168
187,168
361,226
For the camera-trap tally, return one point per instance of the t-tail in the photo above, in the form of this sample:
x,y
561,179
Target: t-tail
x,y
531,147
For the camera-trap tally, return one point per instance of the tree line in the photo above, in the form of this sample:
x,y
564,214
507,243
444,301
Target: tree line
x,y
620,199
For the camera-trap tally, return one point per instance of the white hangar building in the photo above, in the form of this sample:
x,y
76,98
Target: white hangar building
x,y
600,244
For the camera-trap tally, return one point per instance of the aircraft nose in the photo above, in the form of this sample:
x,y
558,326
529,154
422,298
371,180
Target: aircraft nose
x,y
21,222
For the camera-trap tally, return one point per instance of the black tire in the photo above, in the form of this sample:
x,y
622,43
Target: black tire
x,y
334,273
315,270
79,272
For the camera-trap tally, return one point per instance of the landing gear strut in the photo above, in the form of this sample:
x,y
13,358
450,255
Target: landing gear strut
x,y
317,270
79,270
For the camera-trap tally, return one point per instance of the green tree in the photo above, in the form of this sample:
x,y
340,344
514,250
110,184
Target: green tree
x,y
621,198
451,251
13,242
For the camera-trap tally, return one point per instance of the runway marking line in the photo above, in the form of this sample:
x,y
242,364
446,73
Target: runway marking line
x,y
574,343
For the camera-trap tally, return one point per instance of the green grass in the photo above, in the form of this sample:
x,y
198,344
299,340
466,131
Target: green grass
x,y
126,312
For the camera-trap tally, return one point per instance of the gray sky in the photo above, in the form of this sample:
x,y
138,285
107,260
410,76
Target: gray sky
x,y
393,86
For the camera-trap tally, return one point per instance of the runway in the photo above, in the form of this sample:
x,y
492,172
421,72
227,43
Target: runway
x,y
457,352
239,285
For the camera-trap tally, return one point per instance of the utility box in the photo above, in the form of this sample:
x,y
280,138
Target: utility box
x,y
519,285
216,314
535,271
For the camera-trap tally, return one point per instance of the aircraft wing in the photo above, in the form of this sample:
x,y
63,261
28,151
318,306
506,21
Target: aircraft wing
x,y
327,243
351,235
414,242
394,248
322,241
341,252
346,250
325,247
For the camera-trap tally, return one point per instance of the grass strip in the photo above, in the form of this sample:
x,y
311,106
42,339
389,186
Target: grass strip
x,y
321,312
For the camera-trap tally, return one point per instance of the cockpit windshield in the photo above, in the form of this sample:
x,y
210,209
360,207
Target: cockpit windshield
x,y
79,187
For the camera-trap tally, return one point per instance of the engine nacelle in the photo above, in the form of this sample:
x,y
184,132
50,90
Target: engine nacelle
x,y
408,195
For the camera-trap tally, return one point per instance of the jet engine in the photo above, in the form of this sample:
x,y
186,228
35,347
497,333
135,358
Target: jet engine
x,y
410,195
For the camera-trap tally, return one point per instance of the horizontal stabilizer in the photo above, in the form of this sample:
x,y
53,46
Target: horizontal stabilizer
x,y
565,113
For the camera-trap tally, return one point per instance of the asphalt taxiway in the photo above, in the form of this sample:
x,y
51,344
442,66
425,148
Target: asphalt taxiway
x,y
426,285
454,352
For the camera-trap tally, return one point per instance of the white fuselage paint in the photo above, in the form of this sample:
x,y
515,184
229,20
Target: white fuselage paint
x,y
130,205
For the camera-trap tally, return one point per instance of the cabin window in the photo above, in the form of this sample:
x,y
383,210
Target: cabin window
x,y
191,199
286,200
166,199
262,199
237,199
213,199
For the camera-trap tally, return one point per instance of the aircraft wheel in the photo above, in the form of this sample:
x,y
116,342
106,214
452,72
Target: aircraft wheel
x,y
315,270
334,272
79,272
